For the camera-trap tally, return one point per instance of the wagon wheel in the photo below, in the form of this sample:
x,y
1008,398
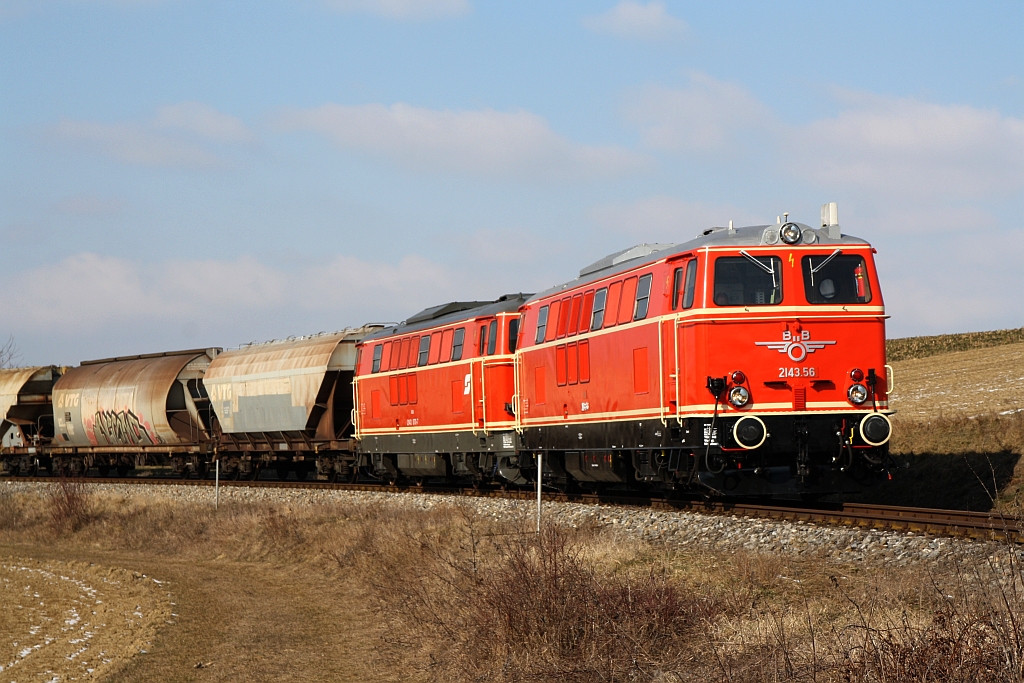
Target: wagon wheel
x,y
122,471
282,472
353,475
104,470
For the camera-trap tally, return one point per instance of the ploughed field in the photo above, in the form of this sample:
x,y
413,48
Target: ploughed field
x,y
105,582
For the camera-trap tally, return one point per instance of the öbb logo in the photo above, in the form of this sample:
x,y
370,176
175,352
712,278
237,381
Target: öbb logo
x,y
796,347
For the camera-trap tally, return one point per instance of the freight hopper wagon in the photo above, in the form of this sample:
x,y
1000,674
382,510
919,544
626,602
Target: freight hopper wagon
x,y
132,411
435,395
748,361
26,418
287,406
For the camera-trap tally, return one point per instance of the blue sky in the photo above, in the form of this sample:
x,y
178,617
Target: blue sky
x,y
181,174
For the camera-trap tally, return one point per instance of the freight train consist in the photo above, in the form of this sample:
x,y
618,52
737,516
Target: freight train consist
x,y
747,362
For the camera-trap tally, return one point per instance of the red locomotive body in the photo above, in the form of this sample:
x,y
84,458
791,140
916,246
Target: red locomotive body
x,y
748,361
434,394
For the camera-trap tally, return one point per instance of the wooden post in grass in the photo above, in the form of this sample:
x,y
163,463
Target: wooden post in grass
x,y
216,484
540,474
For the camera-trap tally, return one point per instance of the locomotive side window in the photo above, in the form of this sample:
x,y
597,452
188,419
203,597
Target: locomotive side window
x,y
435,348
424,350
612,305
446,346
748,280
599,301
563,317
378,352
553,320
574,316
542,323
414,344
482,346
513,334
677,288
836,279
588,309
628,302
691,284
493,341
460,336
643,297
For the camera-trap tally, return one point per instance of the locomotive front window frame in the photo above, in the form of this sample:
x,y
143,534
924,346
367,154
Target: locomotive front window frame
x,y
542,323
677,288
835,278
378,353
747,280
482,345
513,334
492,343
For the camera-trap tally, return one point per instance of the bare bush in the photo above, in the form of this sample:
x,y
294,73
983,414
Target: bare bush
x,y
68,504
9,354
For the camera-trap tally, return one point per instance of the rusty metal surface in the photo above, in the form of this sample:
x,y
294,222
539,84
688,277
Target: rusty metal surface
x,y
11,382
120,403
273,387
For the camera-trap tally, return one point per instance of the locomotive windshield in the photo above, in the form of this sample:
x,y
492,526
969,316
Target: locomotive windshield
x,y
836,279
748,280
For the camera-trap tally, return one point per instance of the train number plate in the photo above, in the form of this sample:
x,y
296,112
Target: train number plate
x,y
798,372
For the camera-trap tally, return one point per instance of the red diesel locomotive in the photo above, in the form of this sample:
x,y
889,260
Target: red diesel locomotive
x,y
749,361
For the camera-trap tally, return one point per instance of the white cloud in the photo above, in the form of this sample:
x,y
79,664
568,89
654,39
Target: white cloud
x,y
179,135
707,116
636,20
402,9
204,121
667,219
899,144
503,144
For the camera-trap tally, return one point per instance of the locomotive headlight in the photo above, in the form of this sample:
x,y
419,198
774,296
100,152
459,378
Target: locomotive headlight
x,y
739,396
857,394
790,233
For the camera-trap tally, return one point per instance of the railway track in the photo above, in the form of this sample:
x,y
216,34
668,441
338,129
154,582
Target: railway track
x,y
955,523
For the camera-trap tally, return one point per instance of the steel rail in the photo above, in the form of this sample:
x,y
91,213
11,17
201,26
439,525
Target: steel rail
x,y
930,521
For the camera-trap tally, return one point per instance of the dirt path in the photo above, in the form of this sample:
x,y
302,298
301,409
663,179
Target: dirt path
x,y
250,622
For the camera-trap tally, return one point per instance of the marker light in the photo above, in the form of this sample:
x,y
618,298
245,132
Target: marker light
x,y
739,396
856,374
790,233
738,377
857,394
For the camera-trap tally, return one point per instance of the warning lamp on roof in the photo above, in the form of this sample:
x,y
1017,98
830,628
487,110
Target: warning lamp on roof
x,y
790,233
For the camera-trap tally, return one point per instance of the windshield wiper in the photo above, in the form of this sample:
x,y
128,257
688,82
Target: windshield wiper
x,y
815,269
770,269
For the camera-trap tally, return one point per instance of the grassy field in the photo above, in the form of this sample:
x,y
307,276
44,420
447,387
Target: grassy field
x,y
264,592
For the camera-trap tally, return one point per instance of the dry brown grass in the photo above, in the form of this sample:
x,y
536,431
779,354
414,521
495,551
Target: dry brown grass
x,y
906,348
460,597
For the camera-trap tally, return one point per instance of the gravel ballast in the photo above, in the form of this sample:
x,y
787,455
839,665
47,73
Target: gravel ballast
x,y
671,528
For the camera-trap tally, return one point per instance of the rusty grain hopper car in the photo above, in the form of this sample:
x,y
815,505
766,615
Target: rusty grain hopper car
x,y
26,418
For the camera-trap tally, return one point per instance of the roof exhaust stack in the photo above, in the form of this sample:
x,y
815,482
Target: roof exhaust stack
x,y
830,220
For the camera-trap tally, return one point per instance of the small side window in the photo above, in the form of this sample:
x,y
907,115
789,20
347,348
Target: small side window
x,y
460,337
513,334
446,346
492,337
483,340
563,317
599,301
643,297
677,288
378,352
691,283
424,350
588,310
542,324
435,347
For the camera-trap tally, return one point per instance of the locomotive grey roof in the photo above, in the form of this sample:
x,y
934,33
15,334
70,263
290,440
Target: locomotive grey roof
x,y
749,236
453,312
